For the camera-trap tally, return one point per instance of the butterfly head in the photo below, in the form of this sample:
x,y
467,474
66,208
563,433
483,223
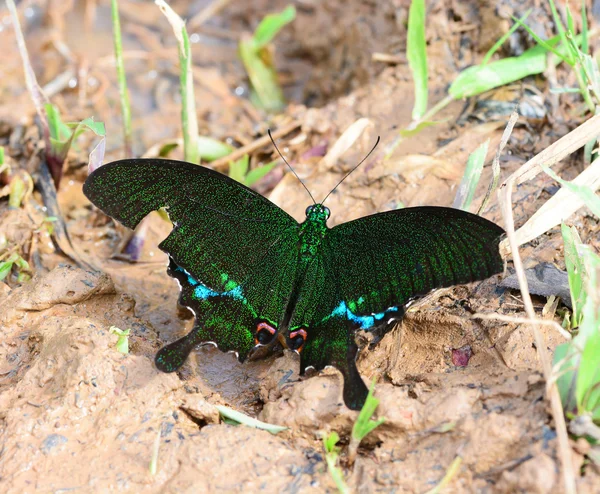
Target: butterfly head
x,y
317,212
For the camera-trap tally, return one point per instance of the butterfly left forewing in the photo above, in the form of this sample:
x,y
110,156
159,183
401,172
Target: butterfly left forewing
x,y
220,227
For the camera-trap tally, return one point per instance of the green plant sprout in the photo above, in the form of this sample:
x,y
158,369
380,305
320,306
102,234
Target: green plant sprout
x,y
153,467
241,418
468,184
123,93
189,119
571,53
450,474
416,53
576,273
577,363
19,188
21,265
476,79
212,149
331,457
239,170
256,55
63,134
122,340
364,424
48,224
54,132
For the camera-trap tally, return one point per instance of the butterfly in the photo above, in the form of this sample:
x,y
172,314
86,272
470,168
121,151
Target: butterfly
x,y
254,276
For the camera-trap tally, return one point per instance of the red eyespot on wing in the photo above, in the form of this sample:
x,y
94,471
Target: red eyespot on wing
x,y
264,333
297,339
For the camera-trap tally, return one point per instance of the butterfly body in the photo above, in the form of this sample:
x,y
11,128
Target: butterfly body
x,y
252,275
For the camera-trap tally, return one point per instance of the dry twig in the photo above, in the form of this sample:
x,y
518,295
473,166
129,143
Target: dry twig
x,y
254,145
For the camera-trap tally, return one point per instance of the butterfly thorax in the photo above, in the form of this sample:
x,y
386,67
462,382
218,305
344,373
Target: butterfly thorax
x,y
312,231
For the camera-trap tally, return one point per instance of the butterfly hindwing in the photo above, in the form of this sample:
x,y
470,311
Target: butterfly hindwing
x,y
224,318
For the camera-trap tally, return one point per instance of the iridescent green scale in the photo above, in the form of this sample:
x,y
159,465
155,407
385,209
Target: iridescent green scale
x,y
254,276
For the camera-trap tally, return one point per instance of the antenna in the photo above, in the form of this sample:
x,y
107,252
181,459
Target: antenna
x,y
348,174
290,167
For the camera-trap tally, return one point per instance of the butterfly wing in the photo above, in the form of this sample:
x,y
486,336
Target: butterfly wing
x,y
373,266
227,238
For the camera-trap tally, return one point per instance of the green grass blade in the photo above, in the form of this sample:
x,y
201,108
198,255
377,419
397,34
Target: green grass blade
x,y
331,456
416,53
153,467
122,79
591,308
558,22
588,377
258,173
364,424
570,23
253,51
17,192
212,149
409,132
239,168
6,266
543,43
336,474
63,134
565,361
330,442
575,271
585,47
561,31
470,179
450,474
480,78
189,119
586,194
503,39
271,25
244,419
263,78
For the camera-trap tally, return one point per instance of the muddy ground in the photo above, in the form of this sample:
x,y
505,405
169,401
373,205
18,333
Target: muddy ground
x,y
78,416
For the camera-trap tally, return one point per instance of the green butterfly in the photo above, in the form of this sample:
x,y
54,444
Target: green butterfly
x,y
253,276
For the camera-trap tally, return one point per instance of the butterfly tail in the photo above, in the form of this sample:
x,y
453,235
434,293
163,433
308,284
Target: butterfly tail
x,y
355,391
171,357
332,343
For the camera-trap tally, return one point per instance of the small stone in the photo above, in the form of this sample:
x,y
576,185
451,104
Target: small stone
x,y
197,407
52,441
462,355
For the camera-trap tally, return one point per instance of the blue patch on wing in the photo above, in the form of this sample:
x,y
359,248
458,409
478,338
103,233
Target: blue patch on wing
x,y
202,292
364,322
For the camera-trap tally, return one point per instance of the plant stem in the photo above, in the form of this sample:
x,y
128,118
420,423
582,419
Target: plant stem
x,y
124,94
